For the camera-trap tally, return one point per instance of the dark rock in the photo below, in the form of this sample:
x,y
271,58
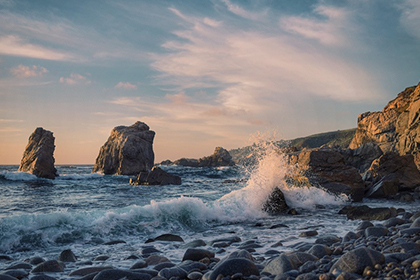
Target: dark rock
x,y
116,274
244,254
146,251
189,162
275,203
155,259
194,254
67,256
319,250
170,272
166,162
128,151
230,267
194,275
356,260
391,222
161,266
89,270
364,225
228,240
326,167
157,176
376,231
38,157
19,266
308,233
385,188
36,260
364,212
279,265
139,264
416,223
49,266
195,244
101,258
327,239
42,277
167,237
190,266
220,157
363,156
114,242
7,277
17,273
299,258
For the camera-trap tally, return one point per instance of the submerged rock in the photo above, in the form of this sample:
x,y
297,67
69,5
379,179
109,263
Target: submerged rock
x,y
128,151
38,157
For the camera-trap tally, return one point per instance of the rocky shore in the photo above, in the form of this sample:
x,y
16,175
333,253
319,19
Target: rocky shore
x,y
388,249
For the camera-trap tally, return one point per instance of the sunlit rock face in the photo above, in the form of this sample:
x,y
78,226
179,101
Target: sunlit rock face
x,y
396,128
128,151
38,157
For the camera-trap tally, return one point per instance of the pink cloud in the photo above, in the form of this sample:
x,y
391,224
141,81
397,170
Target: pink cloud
x,y
22,71
75,79
126,86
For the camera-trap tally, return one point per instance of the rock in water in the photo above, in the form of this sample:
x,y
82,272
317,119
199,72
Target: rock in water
x,y
220,157
156,176
38,157
275,203
128,151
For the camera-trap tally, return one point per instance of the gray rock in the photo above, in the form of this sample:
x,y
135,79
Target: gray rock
x,y
116,274
155,259
327,239
128,151
139,264
376,231
364,212
279,265
38,157
299,258
170,272
319,250
241,254
195,244
220,157
195,254
190,266
89,270
393,222
228,240
67,256
161,266
230,267
167,237
17,273
195,275
49,266
19,266
42,277
157,176
356,260
7,277
349,236
307,276
416,223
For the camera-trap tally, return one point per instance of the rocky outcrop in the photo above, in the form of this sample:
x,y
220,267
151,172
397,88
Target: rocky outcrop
x,y
38,157
156,176
325,167
275,203
128,151
390,174
220,157
362,157
396,128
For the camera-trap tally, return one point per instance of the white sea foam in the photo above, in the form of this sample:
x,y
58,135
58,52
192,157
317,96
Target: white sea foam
x,y
80,176
17,176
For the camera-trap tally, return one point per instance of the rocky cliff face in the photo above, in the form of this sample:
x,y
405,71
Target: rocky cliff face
x,y
128,151
38,157
395,128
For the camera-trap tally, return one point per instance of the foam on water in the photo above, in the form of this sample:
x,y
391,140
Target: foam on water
x,y
17,176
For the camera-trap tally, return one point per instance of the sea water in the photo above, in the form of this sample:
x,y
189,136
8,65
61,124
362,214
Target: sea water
x,y
80,210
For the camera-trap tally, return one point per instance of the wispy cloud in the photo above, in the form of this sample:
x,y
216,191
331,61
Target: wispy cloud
x,y
410,16
23,71
126,86
15,46
75,79
242,12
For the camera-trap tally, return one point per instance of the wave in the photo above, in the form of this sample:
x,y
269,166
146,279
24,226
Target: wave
x,y
17,176
90,176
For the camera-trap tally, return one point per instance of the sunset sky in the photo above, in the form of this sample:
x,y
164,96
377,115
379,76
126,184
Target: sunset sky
x,y
201,74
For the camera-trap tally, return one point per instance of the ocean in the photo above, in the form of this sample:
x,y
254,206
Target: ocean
x,y
81,211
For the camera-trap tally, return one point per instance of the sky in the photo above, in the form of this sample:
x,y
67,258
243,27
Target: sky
x,y
201,74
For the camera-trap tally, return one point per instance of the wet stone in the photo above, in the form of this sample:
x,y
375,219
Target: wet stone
x,y
308,233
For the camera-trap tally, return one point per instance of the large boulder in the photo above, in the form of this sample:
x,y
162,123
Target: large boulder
x,y
220,157
276,203
396,128
157,176
390,174
128,151
357,260
38,157
325,167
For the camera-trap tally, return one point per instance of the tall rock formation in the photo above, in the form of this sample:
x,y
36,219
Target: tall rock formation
x,y
396,128
38,157
128,151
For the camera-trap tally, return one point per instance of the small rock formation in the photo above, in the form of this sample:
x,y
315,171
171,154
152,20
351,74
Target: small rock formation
x,y
128,151
275,203
326,167
156,176
38,157
364,212
390,174
220,157
396,128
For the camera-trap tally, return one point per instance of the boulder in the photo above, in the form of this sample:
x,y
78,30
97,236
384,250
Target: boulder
x,y
362,157
157,176
194,254
392,173
326,167
356,260
396,128
233,266
275,203
279,265
364,212
49,266
220,157
189,162
128,151
38,157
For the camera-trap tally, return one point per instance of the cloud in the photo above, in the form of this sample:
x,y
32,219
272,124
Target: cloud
x,y
238,10
126,86
15,46
75,79
410,17
331,29
22,71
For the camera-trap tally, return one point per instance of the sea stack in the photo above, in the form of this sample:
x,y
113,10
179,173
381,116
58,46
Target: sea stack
x,y
38,157
128,151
